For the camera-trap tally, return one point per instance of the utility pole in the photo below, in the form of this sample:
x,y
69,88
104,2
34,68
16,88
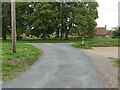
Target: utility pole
x,y
13,24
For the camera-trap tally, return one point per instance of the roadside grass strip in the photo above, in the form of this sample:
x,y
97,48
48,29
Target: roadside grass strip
x,y
79,45
14,64
55,40
90,45
115,61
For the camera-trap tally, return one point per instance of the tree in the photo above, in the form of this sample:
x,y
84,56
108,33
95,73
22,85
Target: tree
x,y
22,10
6,18
85,16
109,32
38,18
116,32
21,13
79,17
67,18
43,18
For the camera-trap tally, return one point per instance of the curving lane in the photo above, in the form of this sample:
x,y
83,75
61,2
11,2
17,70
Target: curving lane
x,y
61,66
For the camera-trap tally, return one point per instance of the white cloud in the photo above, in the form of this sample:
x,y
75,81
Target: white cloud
x,y
108,13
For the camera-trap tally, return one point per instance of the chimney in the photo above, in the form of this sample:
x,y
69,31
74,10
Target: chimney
x,y
105,27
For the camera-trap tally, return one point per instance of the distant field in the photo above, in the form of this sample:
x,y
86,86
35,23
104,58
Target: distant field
x,y
53,40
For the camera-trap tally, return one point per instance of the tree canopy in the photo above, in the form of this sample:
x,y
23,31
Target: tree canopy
x,y
42,18
116,32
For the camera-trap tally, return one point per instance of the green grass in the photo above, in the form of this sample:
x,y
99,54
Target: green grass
x,y
105,44
90,45
78,45
44,41
101,39
115,61
14,64
53,40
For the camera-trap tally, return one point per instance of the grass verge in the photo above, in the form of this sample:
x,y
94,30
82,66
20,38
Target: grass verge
x,y
115,61
90,45
79,45
54,40
14,64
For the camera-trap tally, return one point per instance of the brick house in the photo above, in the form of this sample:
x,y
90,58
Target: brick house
x,y
101,32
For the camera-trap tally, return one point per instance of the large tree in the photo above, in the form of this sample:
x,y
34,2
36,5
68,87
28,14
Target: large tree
x,y
116,32
43,19
40,18
21,13
6,19
79,17
85,16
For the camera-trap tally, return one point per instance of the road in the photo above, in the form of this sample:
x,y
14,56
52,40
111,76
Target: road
x,y
61,66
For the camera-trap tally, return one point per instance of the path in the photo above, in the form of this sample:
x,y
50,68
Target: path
x,y
61,66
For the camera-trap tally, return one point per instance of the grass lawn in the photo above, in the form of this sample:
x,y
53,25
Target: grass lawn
x,y
115,61
53,40
14,64
90,45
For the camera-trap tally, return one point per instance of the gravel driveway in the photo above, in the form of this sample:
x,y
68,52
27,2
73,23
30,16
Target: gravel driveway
x,y
61,66
99,57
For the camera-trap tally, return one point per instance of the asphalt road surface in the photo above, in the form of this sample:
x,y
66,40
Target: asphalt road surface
x,y
61,66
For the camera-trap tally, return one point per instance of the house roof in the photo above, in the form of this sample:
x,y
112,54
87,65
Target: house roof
x,y
101,31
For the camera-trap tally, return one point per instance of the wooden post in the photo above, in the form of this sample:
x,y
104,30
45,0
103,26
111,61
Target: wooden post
x,y
13,24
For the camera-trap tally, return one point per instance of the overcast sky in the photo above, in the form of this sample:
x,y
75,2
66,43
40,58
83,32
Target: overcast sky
x,y
108,13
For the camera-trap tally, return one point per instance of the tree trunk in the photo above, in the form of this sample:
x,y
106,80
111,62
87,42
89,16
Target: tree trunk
x,y
44,35
37,36
61,36
18,37
4,37
57,33
66,35
67,31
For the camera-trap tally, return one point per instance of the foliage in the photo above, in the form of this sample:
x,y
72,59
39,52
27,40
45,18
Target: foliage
x,y
109,32
43,18
6,30
21,18
85,16
116,32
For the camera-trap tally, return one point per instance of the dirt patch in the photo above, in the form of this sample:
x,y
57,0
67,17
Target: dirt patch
x,y
99,57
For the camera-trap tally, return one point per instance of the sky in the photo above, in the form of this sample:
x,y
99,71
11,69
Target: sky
x,y
108,13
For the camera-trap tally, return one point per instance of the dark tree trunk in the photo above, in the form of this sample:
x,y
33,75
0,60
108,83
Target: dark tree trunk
x,y
4,37
57,34
66,35
44,35
18,37
37,36
61,36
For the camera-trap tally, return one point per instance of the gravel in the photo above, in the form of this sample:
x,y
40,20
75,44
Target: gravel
x,y
99,57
